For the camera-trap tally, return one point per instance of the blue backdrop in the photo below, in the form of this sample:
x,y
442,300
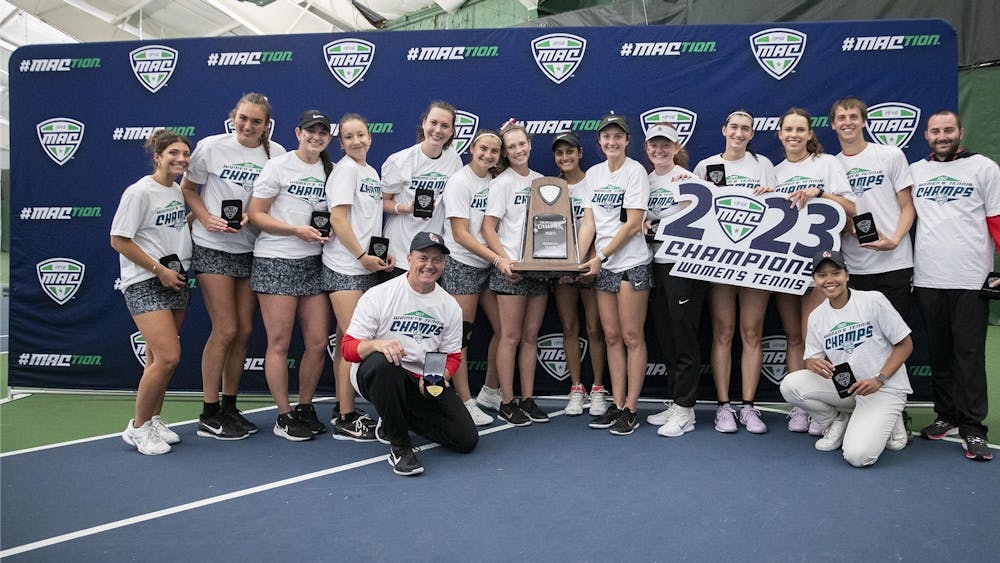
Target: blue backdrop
x,y
79,115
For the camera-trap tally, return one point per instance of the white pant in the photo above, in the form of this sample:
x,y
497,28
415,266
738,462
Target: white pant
x,y
871,422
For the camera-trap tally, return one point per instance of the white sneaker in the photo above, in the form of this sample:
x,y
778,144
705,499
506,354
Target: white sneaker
x,y
833,436
598,401
680,422
898,437
661,418
574,404
145,439
489,398
161,428
478,416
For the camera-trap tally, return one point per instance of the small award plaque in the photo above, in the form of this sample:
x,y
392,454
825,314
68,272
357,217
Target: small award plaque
x,y
434,363
550,247
864,227
172,262
991,292
716,174
232,212
320,221
423,203
379,247
843,378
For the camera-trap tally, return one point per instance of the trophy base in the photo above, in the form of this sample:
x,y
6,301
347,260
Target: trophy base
x,y
539,269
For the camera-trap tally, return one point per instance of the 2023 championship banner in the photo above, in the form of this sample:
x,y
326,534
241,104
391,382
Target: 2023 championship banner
x,y
80,113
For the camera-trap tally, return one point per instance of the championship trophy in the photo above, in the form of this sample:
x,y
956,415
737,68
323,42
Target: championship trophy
x,y
550,245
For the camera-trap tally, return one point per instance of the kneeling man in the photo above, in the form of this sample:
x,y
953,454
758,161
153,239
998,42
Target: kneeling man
x,y
395,325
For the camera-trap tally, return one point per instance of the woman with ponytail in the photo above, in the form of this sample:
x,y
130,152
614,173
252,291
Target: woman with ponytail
x,y
223,169
287,270
150,233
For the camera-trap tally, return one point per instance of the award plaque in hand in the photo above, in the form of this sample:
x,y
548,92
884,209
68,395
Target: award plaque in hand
x,y
550,248
232,212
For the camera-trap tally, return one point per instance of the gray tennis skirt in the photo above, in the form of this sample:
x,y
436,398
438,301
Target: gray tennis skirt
x,y
527,286
640,277
462,279
286,276
211,261
150,295
335,281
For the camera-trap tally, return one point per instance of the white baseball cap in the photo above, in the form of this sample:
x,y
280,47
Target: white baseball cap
x,y
664,131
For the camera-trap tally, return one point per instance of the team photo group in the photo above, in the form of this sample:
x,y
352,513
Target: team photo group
x,y
398,258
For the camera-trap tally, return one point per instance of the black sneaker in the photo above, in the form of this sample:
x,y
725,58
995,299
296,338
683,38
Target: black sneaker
x,y
221,427
357,427
403,460
380,433
239,420
908,425
626,423
607,419
938,429
306,414
290,428
513,414
977,449
531,409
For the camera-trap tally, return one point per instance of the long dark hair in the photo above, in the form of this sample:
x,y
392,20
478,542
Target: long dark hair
x,y
160,139
813,146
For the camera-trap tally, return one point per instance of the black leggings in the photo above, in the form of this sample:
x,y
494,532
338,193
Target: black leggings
x,y
397,398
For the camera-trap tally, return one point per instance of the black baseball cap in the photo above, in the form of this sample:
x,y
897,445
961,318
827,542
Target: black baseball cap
x,y
829,256
567,137
612,119
425,240
313,117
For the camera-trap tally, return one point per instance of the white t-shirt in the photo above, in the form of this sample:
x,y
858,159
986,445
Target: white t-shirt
x,y
953,199
626,187
465,197
508,201
663,195
226,170
821,171
300,189
875,175
422,322
402,173
861,333
154,217
747,172
357,186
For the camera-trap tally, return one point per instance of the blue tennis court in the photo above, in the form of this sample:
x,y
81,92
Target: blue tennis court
x,y
558,492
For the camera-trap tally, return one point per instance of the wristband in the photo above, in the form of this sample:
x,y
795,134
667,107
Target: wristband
x,y
360,256
602,257
396,208
496,261
820,193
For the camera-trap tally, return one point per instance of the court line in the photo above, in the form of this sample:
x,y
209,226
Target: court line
x,y
217,499
14,397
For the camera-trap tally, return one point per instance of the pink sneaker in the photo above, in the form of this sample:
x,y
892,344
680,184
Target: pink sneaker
x,y
798,420
725,419
750,417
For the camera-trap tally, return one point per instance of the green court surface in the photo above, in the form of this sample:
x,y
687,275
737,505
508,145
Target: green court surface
x,y
48,418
